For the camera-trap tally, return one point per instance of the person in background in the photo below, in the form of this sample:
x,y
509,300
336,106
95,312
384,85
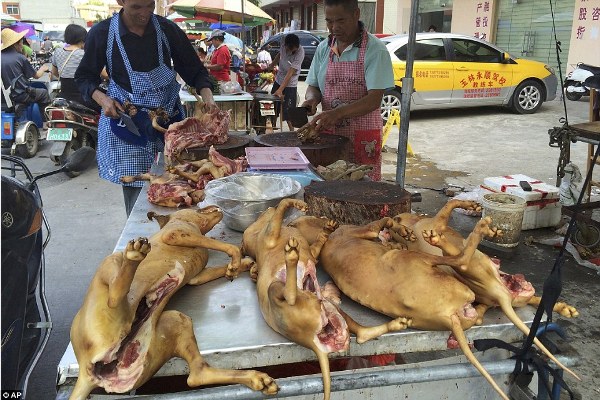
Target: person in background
x,y
27,51
263,59
47,44
65,61
15,64
143,53
201,54
348,75
219,64
432,28
289,59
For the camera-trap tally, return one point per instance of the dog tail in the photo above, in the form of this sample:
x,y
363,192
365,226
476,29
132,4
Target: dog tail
x,y
458,332
509,311
325,373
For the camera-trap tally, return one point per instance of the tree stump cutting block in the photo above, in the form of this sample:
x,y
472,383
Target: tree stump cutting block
x,y
355,202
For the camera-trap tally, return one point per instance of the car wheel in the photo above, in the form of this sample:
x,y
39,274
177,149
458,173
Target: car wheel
x,y
528,97
389,101
31,145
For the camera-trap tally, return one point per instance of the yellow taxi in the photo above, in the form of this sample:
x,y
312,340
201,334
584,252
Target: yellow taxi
x,y
462,71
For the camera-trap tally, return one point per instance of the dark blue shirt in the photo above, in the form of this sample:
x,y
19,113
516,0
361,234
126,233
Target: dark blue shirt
x,y
142,54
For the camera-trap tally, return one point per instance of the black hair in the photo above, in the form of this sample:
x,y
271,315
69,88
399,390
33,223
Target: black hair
x,y
201,50
347,4
291,41
75,33
432,27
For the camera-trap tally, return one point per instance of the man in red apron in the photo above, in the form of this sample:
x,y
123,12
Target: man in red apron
x,y
348,75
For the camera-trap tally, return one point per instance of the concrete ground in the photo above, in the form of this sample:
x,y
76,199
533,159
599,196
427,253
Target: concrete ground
x,y
452,147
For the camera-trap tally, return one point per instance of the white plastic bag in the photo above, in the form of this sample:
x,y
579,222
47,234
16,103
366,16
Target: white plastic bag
x,y
230,87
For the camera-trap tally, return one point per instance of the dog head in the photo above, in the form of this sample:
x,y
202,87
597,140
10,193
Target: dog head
x,y
204,218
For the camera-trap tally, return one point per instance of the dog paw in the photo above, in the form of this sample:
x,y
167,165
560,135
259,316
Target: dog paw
x,y
254,272
137,249
399,324
264,383
566,310
331,225
232,271
405,233
432,237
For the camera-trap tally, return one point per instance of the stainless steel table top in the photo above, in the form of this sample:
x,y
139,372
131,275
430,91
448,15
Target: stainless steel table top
x,y
232,333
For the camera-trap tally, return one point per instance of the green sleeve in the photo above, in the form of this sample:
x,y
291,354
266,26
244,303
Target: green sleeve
x,y
378,66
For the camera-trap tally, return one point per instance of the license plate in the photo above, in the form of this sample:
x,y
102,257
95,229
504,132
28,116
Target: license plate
x,y
60,134
264,112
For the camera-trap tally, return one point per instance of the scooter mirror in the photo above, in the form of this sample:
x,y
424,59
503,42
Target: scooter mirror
x,y
80,159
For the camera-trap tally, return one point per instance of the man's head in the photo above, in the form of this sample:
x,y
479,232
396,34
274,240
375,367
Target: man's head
x,y
75,34
137,13
342,18
291,42
12,39
217,36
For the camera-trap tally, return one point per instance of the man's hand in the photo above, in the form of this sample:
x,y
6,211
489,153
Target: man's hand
x,y
207,96
110,106
327,119
278,93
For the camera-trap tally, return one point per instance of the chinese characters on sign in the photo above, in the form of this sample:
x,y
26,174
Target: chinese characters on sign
x,y
587,22
585,34
482,84
483,14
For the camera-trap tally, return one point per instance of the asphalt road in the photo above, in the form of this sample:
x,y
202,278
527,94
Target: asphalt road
x,y
459,147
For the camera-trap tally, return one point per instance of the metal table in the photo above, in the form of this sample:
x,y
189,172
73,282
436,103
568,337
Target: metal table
x,y
232,333
188,100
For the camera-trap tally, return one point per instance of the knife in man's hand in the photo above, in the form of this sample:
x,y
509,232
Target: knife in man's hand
x,y
129,124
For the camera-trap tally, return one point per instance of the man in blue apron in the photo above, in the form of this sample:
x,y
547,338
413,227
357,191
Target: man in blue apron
x,y
143,53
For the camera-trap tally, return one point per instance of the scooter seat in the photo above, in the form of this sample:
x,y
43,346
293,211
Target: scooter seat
x,y
592,68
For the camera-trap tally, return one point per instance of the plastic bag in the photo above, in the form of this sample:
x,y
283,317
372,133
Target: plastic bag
x,y
230,87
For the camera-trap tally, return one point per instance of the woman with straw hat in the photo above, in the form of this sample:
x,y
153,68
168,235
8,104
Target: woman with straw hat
x,y
14,64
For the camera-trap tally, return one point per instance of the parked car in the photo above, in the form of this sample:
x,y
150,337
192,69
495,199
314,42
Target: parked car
x,y
308,40
462,71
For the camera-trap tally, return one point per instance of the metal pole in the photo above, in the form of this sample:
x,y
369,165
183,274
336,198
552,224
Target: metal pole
x,y
243,48
407,89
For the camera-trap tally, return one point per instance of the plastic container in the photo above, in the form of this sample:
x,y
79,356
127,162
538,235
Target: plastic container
x,y
506,211
543,205
8,124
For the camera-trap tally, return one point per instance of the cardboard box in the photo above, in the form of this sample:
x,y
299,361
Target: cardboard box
x,y
543,206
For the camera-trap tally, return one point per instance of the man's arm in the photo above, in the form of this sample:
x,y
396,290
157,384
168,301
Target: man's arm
x,y
312,98
87,76
362,106
286,81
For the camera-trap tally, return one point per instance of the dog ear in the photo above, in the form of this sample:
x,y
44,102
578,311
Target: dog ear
x,y
161,219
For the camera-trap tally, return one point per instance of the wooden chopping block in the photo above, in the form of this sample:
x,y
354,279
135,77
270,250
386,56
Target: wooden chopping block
x,y
355,202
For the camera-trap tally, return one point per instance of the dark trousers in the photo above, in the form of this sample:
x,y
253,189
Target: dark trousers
x,y
130,195
289,99
35,95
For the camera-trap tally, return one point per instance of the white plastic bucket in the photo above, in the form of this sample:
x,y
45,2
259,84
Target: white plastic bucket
x,y
506,212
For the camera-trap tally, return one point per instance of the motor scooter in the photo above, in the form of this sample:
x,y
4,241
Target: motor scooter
x,y
21,124
26,321
71,125
577,81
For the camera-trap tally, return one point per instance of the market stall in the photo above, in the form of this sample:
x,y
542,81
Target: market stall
x,y
232,333
234,101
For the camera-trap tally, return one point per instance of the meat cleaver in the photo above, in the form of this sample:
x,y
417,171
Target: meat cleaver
x,y
129,124
298,116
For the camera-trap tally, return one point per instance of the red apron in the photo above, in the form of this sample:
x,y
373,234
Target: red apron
x,y
344,84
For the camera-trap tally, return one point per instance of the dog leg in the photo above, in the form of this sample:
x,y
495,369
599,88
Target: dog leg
x,y
364,333
176,237
481,310
371,231
119,274
291,267
213,273
561,308
441,218
174,337
83,386
317,245
273,229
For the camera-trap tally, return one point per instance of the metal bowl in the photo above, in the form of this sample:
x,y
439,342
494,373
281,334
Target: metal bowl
x,y
244,196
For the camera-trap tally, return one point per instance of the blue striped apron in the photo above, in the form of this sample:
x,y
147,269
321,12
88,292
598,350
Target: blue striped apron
x,y
120,152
